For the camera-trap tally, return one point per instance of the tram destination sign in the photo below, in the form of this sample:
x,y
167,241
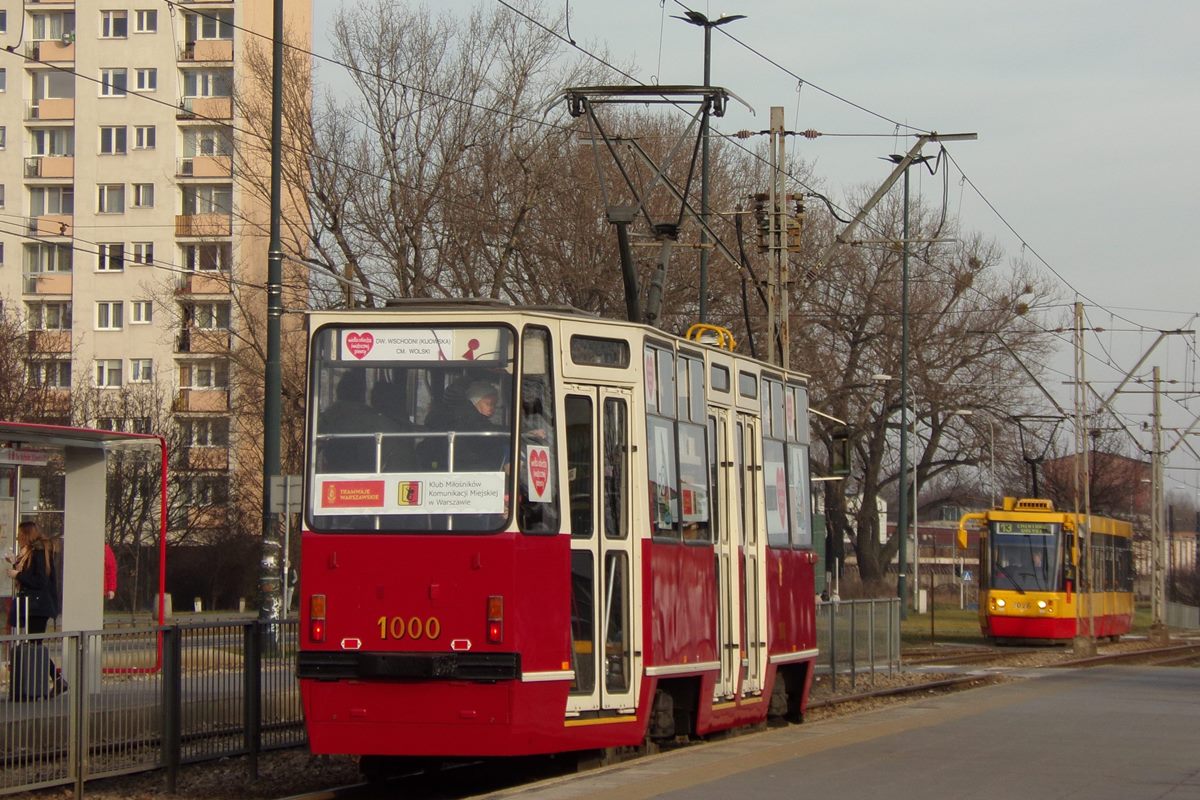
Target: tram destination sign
x,y
1027,528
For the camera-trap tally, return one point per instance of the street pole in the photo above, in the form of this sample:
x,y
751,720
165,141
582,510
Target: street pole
x,y
902,511
700,20
270,602
992,454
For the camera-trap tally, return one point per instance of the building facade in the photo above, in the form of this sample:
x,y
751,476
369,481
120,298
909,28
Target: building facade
x,y
131,247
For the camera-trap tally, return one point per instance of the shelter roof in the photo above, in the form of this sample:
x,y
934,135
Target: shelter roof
x,y
67,436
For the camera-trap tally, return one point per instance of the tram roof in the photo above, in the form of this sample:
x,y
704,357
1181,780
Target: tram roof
x,y
68,436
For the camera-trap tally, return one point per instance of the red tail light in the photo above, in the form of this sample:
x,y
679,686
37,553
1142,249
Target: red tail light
x,y
495,619
316,618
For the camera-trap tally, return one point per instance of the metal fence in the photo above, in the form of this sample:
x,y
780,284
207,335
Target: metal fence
x,y
1182,616
857,639
144,699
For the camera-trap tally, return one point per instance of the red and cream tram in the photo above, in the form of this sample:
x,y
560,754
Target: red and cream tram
x,y
531,531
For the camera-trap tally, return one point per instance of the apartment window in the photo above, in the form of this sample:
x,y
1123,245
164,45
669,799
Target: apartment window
x,y
208,83
114,24
205,490
208,257
113,81
3,22
208,199
141,370
52,316
52,141
111,257
207,142
113,140
54,85
56,374
48,258
145,79
3,137
210,316
3,79
212,374
141,312
51,200
112,198
213,432
110,315
143,137
143,195
216,24
145,21
143,253
108,373
54,26
1,195
1,253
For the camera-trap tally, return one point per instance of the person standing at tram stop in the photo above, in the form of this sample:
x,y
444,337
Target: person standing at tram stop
x,y
33,569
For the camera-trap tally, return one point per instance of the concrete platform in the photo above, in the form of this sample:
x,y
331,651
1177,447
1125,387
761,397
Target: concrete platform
x,y
1109,733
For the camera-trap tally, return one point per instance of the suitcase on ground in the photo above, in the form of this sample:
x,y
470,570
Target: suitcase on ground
x,y
29,671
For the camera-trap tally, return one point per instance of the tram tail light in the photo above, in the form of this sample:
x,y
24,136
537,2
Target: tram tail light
x,y
495,619
316,618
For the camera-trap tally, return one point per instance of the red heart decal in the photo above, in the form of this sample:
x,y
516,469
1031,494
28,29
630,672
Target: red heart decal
x,y
539,470
359,344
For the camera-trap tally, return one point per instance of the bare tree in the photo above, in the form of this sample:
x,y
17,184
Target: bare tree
x,y
846,332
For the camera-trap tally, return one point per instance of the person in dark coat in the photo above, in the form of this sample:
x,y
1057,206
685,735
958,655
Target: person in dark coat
x,y
32,568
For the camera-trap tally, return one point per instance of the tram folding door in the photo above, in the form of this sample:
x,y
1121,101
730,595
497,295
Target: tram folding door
x,y
726,536
603,585
749,470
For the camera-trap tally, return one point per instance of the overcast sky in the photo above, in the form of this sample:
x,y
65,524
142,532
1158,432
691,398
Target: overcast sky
x,y
1086,112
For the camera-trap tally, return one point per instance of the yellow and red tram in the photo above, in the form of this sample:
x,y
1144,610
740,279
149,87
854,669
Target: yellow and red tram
x,y
1031,560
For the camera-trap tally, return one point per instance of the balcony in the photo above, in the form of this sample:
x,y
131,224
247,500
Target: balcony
x,y
205,167
51,51
203,283
201,400
48,283
209,458
205,108
52,225
203,225
51,342
204,340
50,167
51,108
207,50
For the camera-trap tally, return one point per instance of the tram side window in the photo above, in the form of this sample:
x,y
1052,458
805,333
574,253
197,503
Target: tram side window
x,y
775,493
616,468
798,495
537,468
664,489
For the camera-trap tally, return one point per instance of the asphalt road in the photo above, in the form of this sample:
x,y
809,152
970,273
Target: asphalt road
x,y
1119,733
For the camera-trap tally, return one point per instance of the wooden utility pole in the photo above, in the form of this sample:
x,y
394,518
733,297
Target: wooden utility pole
x,y
1158,583
1083,645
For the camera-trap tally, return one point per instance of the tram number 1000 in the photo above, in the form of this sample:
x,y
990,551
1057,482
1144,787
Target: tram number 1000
x,y
412,628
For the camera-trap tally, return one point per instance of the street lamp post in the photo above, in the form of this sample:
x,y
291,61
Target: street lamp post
x,y
698,19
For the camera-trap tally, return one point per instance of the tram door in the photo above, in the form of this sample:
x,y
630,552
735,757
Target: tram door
x,y
602,586
726,530
749,472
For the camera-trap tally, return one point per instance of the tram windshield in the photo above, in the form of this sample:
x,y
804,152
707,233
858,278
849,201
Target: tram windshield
x,y
1026,556
411,428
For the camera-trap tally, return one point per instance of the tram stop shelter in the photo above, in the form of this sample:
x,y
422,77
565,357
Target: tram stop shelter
x,y
84,501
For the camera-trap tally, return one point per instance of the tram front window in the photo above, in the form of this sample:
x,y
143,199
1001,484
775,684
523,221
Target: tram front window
x,y
412,429
1028,561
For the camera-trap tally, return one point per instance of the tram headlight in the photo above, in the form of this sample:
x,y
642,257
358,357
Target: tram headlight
x,y
316,618
495,619
1042,604
1000,602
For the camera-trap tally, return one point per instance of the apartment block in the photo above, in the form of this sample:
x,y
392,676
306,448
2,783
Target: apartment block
x,y
129,244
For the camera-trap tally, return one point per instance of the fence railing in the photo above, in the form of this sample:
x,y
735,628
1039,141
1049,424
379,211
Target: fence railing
x,y
143,699
857,639
1181,616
